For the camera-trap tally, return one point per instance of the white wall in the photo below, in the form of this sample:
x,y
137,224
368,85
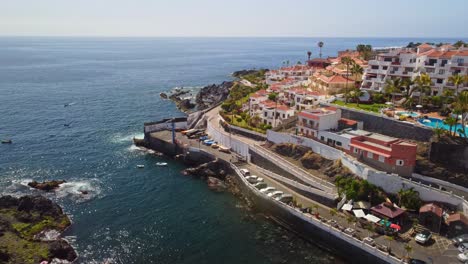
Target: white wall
x,y
224,139
391,183
345,141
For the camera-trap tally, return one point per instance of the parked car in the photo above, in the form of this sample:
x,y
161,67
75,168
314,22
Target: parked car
x,y
460,239
463,257
251,179
285,198
245,172
268,190
224,149
423,237
215,146
259,179
260,185
203,138
275,194
462,247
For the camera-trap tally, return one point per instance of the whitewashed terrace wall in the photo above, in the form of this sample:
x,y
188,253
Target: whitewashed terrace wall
x,y
224,139
391,183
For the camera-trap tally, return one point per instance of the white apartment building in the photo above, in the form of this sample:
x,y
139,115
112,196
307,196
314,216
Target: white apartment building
x,y
297,73
440,63
310,122
270,109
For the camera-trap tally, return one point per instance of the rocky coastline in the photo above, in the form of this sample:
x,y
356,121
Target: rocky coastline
x,y
30,229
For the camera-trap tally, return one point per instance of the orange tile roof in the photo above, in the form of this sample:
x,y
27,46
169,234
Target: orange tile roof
x,y
348,122
457,217
431,208
308,115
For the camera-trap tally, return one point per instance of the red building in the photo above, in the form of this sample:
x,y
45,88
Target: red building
x,y
386,153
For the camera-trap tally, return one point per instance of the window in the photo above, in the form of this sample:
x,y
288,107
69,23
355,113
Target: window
x,y
384,67
440,81
381,158
400,162
322,138
356,150
441,71
370,155
338,143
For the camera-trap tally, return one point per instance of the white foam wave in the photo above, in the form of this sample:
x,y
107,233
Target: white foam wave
x,y
119,138
78,190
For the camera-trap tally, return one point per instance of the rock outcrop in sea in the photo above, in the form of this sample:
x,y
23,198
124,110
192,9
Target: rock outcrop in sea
x,y
24,223
46,185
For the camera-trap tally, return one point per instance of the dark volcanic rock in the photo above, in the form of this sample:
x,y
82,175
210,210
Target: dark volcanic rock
x,y
186,104
40,204
213,168
163,95
241,73
62,250
213,94
46,185
8,201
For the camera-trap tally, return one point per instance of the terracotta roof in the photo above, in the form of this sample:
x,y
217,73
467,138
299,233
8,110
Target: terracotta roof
x,y
308,115
331,108
348,122
457,217
431,208
333,79
282,108
385,210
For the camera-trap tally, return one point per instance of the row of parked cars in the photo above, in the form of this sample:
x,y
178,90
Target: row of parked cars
x,y
269,191
462,243
213,144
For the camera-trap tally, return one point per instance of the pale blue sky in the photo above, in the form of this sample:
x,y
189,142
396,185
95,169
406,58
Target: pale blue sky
x,y
325,18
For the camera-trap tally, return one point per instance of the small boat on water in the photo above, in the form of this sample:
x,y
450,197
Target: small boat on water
x,y
140,166
7,141
161,164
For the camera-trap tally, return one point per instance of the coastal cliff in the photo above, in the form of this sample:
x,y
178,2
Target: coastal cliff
x,y
30,229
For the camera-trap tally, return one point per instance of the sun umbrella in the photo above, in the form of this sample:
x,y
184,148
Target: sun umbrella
x,y
395,226
419,106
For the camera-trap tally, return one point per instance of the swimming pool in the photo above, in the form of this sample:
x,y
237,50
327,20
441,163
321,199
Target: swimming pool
x,y
436,122
405,113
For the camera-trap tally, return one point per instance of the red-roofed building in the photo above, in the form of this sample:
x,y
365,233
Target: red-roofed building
x,y
389,212
457,224
430,216
331,84
386,153
275,113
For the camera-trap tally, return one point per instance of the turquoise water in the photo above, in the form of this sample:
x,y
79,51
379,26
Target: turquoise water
x,y
412,114
112,86
436,122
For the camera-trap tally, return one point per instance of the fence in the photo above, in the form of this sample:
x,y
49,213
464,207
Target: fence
x,y
317,147
226,140
295,170
298,185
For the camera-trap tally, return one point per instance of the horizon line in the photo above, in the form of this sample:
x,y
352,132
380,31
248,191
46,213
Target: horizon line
x,y
227,36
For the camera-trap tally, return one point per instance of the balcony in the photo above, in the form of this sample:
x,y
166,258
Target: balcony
x,y
315,127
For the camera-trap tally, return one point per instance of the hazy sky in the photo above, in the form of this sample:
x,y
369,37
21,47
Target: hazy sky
x,y
324,18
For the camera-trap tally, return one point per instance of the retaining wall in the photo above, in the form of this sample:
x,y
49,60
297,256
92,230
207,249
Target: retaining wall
x,y
382,124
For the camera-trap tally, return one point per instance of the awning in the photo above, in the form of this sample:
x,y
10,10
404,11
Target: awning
x,y
395,226
347,207
359,213
372,218
362,205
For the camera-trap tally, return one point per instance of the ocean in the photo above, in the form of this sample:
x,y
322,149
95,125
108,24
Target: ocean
x,y
111,87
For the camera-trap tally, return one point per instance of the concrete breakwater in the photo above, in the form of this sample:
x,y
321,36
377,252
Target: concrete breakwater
x,y
306,226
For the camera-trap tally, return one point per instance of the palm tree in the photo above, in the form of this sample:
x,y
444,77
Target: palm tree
x,y
320,45
451,121
347,61
274,97
393,86
355,94
461,106
356,69
457,80
423,85
309,53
